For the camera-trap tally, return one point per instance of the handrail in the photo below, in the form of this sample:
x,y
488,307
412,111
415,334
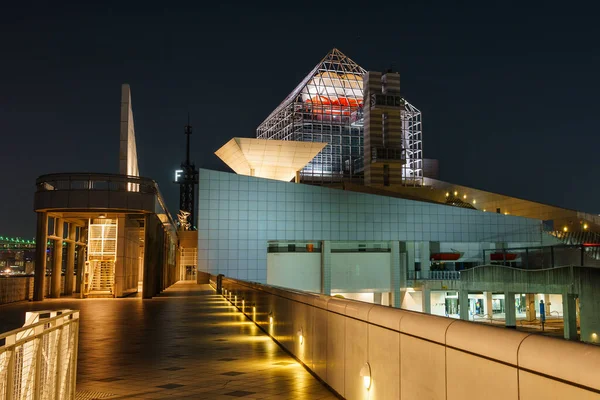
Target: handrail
x,y
45,321
39,360
91,181
52,182
280,313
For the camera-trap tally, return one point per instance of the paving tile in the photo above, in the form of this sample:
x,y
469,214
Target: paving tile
x,y
186,343
170,386
239,393
232,373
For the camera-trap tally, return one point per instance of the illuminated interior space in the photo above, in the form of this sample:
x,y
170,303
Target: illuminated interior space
x,y
328,106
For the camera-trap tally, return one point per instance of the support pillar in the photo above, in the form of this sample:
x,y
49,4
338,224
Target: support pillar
x,y
297,179
410,259
377,298
463,302
487,304
70,270
570,316
80,267
41,237
530,307
57,259
326,267
120,261
397,273
510,310
149,260
426,300
547,304
425,254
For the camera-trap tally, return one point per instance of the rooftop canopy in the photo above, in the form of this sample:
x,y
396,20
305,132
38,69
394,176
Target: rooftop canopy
x,y
271,159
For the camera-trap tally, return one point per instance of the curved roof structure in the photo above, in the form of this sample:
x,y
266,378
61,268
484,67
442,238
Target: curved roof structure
x,y
271,159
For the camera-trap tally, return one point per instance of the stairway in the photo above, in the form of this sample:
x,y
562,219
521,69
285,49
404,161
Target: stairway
x,y
104,278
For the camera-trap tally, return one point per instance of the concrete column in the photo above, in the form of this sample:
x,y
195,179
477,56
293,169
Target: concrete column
x,y
377,298
80,267
57,259
547,304
426,300
120,270
424,257
529,307
463,302
149,262
41,237
569,316
487,305
297,180
510,310
326,267
70,270
397,273
410,255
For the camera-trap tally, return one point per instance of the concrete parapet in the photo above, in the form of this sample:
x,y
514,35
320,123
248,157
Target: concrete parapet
x,y
414,355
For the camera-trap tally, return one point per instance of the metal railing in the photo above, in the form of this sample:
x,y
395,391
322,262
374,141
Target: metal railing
x,y
103,182
39,360
434,275
92,181
543,257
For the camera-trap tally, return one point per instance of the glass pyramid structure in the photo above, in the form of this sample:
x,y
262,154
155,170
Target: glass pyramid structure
x,y
327,106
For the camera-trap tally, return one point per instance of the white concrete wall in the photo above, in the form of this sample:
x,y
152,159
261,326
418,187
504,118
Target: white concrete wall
x,y
355,272
556,304
413,301
365,297
300,271
418,356
438,303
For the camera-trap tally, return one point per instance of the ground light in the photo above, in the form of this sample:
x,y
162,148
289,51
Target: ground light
x,y
365,372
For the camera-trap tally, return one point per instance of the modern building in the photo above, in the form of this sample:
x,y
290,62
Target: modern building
x,y
108,235
328,106
374,223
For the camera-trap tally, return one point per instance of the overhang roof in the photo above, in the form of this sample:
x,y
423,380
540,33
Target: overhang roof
x,y
271,159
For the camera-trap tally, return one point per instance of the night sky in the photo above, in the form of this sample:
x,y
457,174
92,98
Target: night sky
x,y
510,96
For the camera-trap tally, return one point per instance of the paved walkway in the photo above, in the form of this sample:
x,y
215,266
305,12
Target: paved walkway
x,y
186,343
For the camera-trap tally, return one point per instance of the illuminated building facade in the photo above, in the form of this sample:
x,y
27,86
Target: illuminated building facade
x,y
328,106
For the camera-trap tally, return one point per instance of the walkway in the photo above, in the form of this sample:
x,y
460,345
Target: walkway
x,y
186,343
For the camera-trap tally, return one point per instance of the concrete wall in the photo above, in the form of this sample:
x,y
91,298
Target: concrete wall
x,y
295,270
350,272
356,272
417,356
412,301
17,288
239,214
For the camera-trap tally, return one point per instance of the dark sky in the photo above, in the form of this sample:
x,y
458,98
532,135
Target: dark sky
x,y
510,96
